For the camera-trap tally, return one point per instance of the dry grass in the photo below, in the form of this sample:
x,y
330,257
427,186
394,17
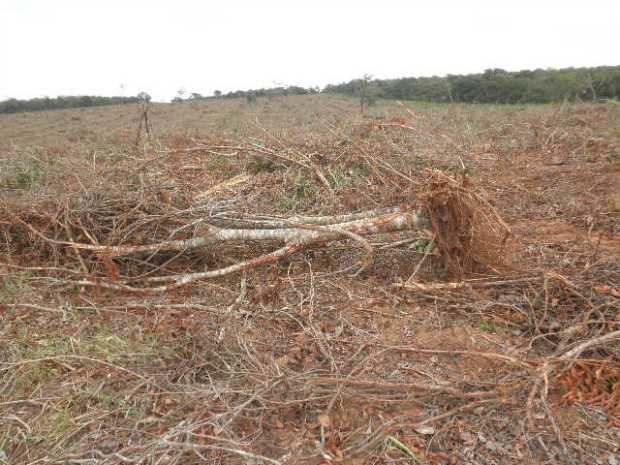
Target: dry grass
x,y
415,360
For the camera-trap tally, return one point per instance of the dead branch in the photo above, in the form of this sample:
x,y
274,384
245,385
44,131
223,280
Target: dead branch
x,y
296,239
255,150
460,409
234,150
541,384
423,387
293,233
413,285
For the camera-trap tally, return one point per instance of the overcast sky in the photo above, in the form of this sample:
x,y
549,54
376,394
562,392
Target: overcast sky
x,y
109,47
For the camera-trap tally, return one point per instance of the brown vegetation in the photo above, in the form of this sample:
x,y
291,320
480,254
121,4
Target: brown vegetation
x,y
287,282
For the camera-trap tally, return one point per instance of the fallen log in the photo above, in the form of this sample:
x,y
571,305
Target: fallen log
x,y
295,231
465,228
295,235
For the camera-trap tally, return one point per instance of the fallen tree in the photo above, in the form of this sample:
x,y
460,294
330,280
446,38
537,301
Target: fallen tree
x,y
465,228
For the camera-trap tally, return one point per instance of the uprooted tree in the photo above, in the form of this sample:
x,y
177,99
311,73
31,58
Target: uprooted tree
x,y
106,247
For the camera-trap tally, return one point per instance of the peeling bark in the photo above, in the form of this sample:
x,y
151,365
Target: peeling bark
x,y
295,234
295,231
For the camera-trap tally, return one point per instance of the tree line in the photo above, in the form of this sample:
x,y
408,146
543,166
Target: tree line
x,y
252,94
46,103
492,86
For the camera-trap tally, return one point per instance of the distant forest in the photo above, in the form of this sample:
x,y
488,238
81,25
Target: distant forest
x,y
492,86
58,103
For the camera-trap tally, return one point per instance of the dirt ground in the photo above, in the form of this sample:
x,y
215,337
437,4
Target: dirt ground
x,y
309,359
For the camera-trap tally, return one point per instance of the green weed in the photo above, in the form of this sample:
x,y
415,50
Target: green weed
x,y
338,177
362,169
90,398
24,178
111,346
15,286
304,187
286,204
62,422
613,158
488,327
423,246
400,445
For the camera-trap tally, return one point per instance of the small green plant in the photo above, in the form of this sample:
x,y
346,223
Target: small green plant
x,y
41,373
423,246
338,177
259,165
111,346
613,158
15,285
362,169
62,422
488,327
23,179
89,398
35,439
401,446
304,187
107,154
613,132
286,204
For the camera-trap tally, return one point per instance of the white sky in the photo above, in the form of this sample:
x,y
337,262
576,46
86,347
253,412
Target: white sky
x,y
92,47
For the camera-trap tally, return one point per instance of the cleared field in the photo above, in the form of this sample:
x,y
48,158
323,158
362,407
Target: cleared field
x,y
96,126
444,342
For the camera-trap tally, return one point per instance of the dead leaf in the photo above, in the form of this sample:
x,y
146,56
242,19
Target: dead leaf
x,y
413,412
425,430
295,353
325,421
282,361
607,290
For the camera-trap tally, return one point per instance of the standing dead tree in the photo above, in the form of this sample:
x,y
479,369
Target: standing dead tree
x,y
144,120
